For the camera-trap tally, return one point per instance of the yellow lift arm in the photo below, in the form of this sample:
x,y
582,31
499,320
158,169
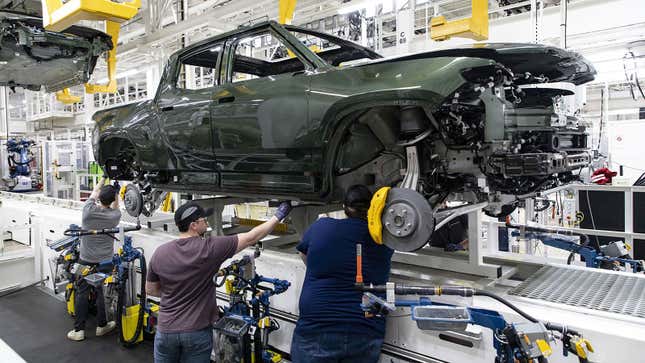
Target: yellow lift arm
x,y
475,27
66,97
58,16
286,10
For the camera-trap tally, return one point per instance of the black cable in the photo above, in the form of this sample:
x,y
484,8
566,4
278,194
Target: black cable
x,y
20,163
560,328
634,75
628,78
640,181
593,223
507,303
109,231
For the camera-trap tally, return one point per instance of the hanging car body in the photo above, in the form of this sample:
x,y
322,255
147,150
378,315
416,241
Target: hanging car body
x,y
31,57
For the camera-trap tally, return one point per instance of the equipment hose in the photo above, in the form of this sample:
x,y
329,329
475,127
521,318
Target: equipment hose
x,y
142,303
507,303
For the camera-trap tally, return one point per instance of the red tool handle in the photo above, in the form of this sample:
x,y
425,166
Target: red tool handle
x,y
359,263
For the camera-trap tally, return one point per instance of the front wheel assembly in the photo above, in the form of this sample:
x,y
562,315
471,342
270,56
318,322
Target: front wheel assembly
x,y
133,200
400,218
137,202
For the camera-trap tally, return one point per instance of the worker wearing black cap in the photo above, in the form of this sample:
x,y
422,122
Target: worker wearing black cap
x,y
101,210
181,272
332,327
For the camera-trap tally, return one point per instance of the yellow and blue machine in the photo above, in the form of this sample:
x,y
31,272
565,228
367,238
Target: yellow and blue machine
x,y
133,320
243,330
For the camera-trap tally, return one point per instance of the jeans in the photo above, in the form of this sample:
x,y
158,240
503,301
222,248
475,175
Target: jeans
x,y
350,347
190,347
82,304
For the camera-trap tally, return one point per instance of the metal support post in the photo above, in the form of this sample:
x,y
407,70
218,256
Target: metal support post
x,y
2,236
36,242
303,216
218,203
492,238
364,32
4,103
529,211
537,7
563,23
475,256
629,219
604,142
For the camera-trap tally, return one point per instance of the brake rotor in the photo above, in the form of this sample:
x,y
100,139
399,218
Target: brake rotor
x,y
133,200
407,219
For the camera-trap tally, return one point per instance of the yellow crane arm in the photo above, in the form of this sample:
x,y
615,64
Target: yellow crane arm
x,y
475,27
112,29
58,16
67,98
286,10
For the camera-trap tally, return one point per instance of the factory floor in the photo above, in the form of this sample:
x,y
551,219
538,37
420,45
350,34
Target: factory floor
x,y
35,324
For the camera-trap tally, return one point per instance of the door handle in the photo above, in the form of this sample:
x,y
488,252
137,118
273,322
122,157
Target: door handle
x,y
226,99
167,108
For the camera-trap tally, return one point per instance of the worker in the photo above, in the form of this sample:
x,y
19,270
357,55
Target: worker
x,y
95,249
181,274
332,327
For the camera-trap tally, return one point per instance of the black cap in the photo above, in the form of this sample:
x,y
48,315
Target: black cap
x,y
191,212
107,194
358,197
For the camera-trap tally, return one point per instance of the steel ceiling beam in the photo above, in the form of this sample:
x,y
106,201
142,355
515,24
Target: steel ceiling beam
x,y
213,17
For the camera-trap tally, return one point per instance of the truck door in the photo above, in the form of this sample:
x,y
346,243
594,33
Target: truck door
x,y
185,116
260,118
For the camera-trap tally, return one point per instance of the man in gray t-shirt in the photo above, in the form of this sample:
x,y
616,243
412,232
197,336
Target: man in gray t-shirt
x,y
181,274
93,250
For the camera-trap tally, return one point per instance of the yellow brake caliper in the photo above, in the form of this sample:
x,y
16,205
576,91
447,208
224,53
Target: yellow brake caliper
x,y
374,214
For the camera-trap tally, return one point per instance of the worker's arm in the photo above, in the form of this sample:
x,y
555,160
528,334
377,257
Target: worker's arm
x,y
251,237
153,288
97,188
303,257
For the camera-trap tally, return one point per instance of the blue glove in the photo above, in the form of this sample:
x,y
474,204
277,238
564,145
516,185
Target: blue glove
x,y
452,247
283,210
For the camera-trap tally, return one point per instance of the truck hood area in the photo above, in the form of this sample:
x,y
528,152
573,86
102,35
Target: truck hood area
x,y
63,59
558,65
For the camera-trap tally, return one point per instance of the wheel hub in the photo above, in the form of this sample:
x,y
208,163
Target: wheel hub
x,y
132,200
400,219
408,220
